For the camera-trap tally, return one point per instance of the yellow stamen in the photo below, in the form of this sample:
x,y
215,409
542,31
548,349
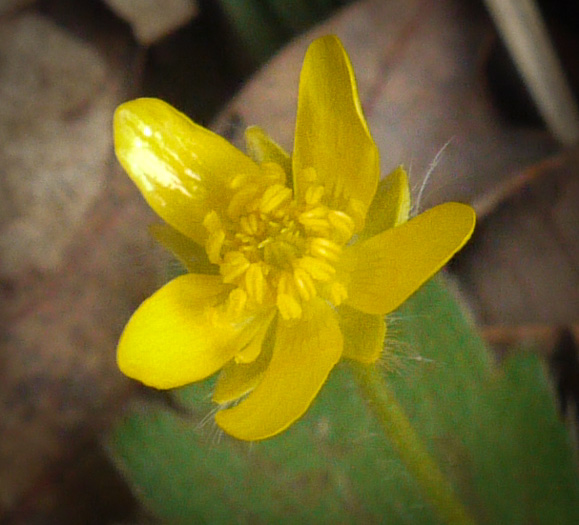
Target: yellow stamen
x,y
343,224
318,269
274,197
255,282
212,222
276,250
314,195
273,173
315,219
236,303
304,284
239,203
249,224
288,307
357,211
239,181
284,284
318,212
213,246
325,248
234,265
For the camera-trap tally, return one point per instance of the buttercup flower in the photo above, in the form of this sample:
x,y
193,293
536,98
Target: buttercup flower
x,y
293,261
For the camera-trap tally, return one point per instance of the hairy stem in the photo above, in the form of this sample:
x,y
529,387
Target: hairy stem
x,y
398,429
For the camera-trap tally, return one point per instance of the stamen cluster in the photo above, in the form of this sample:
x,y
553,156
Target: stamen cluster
x,y
276,249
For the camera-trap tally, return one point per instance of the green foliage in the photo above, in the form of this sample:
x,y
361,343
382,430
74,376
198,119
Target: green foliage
x,y
262,27
494,429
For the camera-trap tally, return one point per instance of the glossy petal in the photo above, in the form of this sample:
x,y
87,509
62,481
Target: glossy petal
x,y
304,354
390,206
171,340
181,168
237,379
191,254
262,148
363,333
387,268
331,133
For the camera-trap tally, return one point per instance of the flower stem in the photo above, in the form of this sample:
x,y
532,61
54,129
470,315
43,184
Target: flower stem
x,y
400,432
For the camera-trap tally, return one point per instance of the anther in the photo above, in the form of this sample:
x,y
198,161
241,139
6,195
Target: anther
x,y
212,222
315,219
315,213
357,211
314,194
233,266
304,284
318,269
288,307
274,197
284,285
240,202
325,248
273,172
236,302
255,283
238,181
343,225
249,224
213,246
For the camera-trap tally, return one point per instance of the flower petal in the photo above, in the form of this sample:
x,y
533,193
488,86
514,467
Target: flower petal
x,y
175,337
390,206
304,354
191,254
363,333
253,349
387,268
331,133
181,168
262,148
237,379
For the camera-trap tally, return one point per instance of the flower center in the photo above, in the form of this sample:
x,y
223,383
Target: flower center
x,y
275,250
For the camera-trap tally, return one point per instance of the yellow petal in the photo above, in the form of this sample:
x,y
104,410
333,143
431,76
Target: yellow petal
x,y
390,206
387,268
181,168
304,354
252,350
262,148
237,379
191,254
332,136
363,334
175,338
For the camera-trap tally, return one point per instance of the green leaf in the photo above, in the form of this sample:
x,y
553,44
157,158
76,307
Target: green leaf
x,y
523,453
494,429
259,33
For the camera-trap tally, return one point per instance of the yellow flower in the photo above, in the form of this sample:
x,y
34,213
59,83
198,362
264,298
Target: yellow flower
x,y
293,262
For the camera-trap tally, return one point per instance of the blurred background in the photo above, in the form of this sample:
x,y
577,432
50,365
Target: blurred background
x,y
442,94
